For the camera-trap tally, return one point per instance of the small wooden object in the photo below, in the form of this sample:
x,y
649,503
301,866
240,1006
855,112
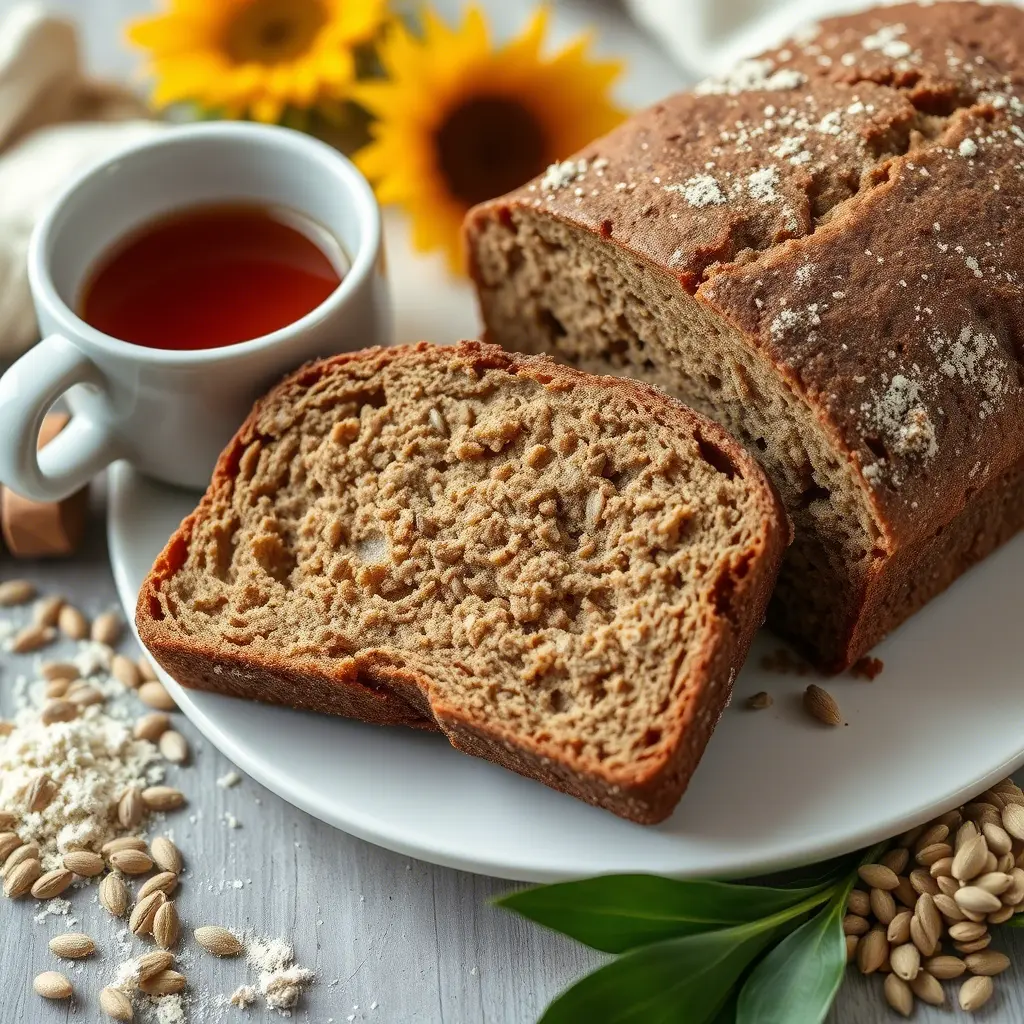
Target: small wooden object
x,y
40,529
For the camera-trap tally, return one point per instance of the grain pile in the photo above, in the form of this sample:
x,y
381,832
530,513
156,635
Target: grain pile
x,y
923,914
81,783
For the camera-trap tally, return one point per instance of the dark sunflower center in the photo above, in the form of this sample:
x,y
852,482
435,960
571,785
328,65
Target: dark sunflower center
x,y
272,31
489,146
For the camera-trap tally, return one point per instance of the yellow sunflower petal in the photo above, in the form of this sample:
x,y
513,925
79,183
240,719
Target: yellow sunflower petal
x,y
200,51
457,117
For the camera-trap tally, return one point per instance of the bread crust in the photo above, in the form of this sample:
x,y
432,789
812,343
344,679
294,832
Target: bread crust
x,y
371,688
870,254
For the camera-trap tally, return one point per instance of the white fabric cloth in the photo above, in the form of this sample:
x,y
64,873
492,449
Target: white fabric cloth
x,y
54,122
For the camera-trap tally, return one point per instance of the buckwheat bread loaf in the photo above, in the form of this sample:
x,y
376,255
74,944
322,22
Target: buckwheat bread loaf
x,y
823,251
560,572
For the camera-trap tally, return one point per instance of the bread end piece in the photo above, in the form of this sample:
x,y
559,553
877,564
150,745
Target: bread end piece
x,y
522,705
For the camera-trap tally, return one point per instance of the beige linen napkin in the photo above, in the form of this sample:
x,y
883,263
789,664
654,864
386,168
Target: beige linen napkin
x,y
54,122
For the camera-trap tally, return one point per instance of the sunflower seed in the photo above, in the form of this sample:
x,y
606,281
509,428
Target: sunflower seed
x,y
872,951
40,794
936,833
30,851
47,609
154,695
980,813
905,961
997,838
970,859
1005,863
166,983
988,962
14,592
974,898
968,830
927,988
941,868
21,878
921,937
858,902
154,962
58,711
165,882
854,924
905,893
130,808
115,1004
973,947
174,747
141,919
910,837
221,942
114,895
896,858
152,726
995,882
922,881
975,993
52,670
55,689
166,855
166,925
1001,915
72,945
72,623
851,947
132,862
52,884
106,629
162,798
883,906
146,670
52,985
126,672
122,843
947,884
930,854
1015,894
31,638
931,920
898,931
9,842
945,967
898,995
84,695
820,704
967,931
84,863
878,876
1013,820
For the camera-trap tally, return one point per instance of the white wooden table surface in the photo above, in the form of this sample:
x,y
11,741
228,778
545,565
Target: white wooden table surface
x,y
420,942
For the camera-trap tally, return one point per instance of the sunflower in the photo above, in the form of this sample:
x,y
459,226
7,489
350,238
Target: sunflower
x,y
256,57
459,121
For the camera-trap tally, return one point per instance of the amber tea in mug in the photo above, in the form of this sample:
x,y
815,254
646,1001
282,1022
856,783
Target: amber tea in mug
x,y
210,276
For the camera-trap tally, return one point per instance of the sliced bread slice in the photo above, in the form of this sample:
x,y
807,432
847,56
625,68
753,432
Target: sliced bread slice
x,y
561,572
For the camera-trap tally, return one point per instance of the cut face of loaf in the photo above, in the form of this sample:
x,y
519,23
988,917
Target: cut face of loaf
x,y
561,572
823,252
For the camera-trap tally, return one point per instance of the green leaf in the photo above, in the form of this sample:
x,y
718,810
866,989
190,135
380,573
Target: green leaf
x,y
615,913
680,980
797,981
824,873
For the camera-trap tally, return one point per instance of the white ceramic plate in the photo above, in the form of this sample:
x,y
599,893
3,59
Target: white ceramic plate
x,y
775,789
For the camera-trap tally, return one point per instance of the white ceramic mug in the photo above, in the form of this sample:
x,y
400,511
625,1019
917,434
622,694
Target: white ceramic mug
x,y
170,413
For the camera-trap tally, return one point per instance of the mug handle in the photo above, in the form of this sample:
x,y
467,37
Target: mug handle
x,y
84,447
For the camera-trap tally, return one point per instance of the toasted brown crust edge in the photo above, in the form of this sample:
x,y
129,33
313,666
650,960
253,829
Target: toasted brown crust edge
x,y
370,688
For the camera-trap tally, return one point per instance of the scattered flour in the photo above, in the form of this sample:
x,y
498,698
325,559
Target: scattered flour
x,y
752,76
